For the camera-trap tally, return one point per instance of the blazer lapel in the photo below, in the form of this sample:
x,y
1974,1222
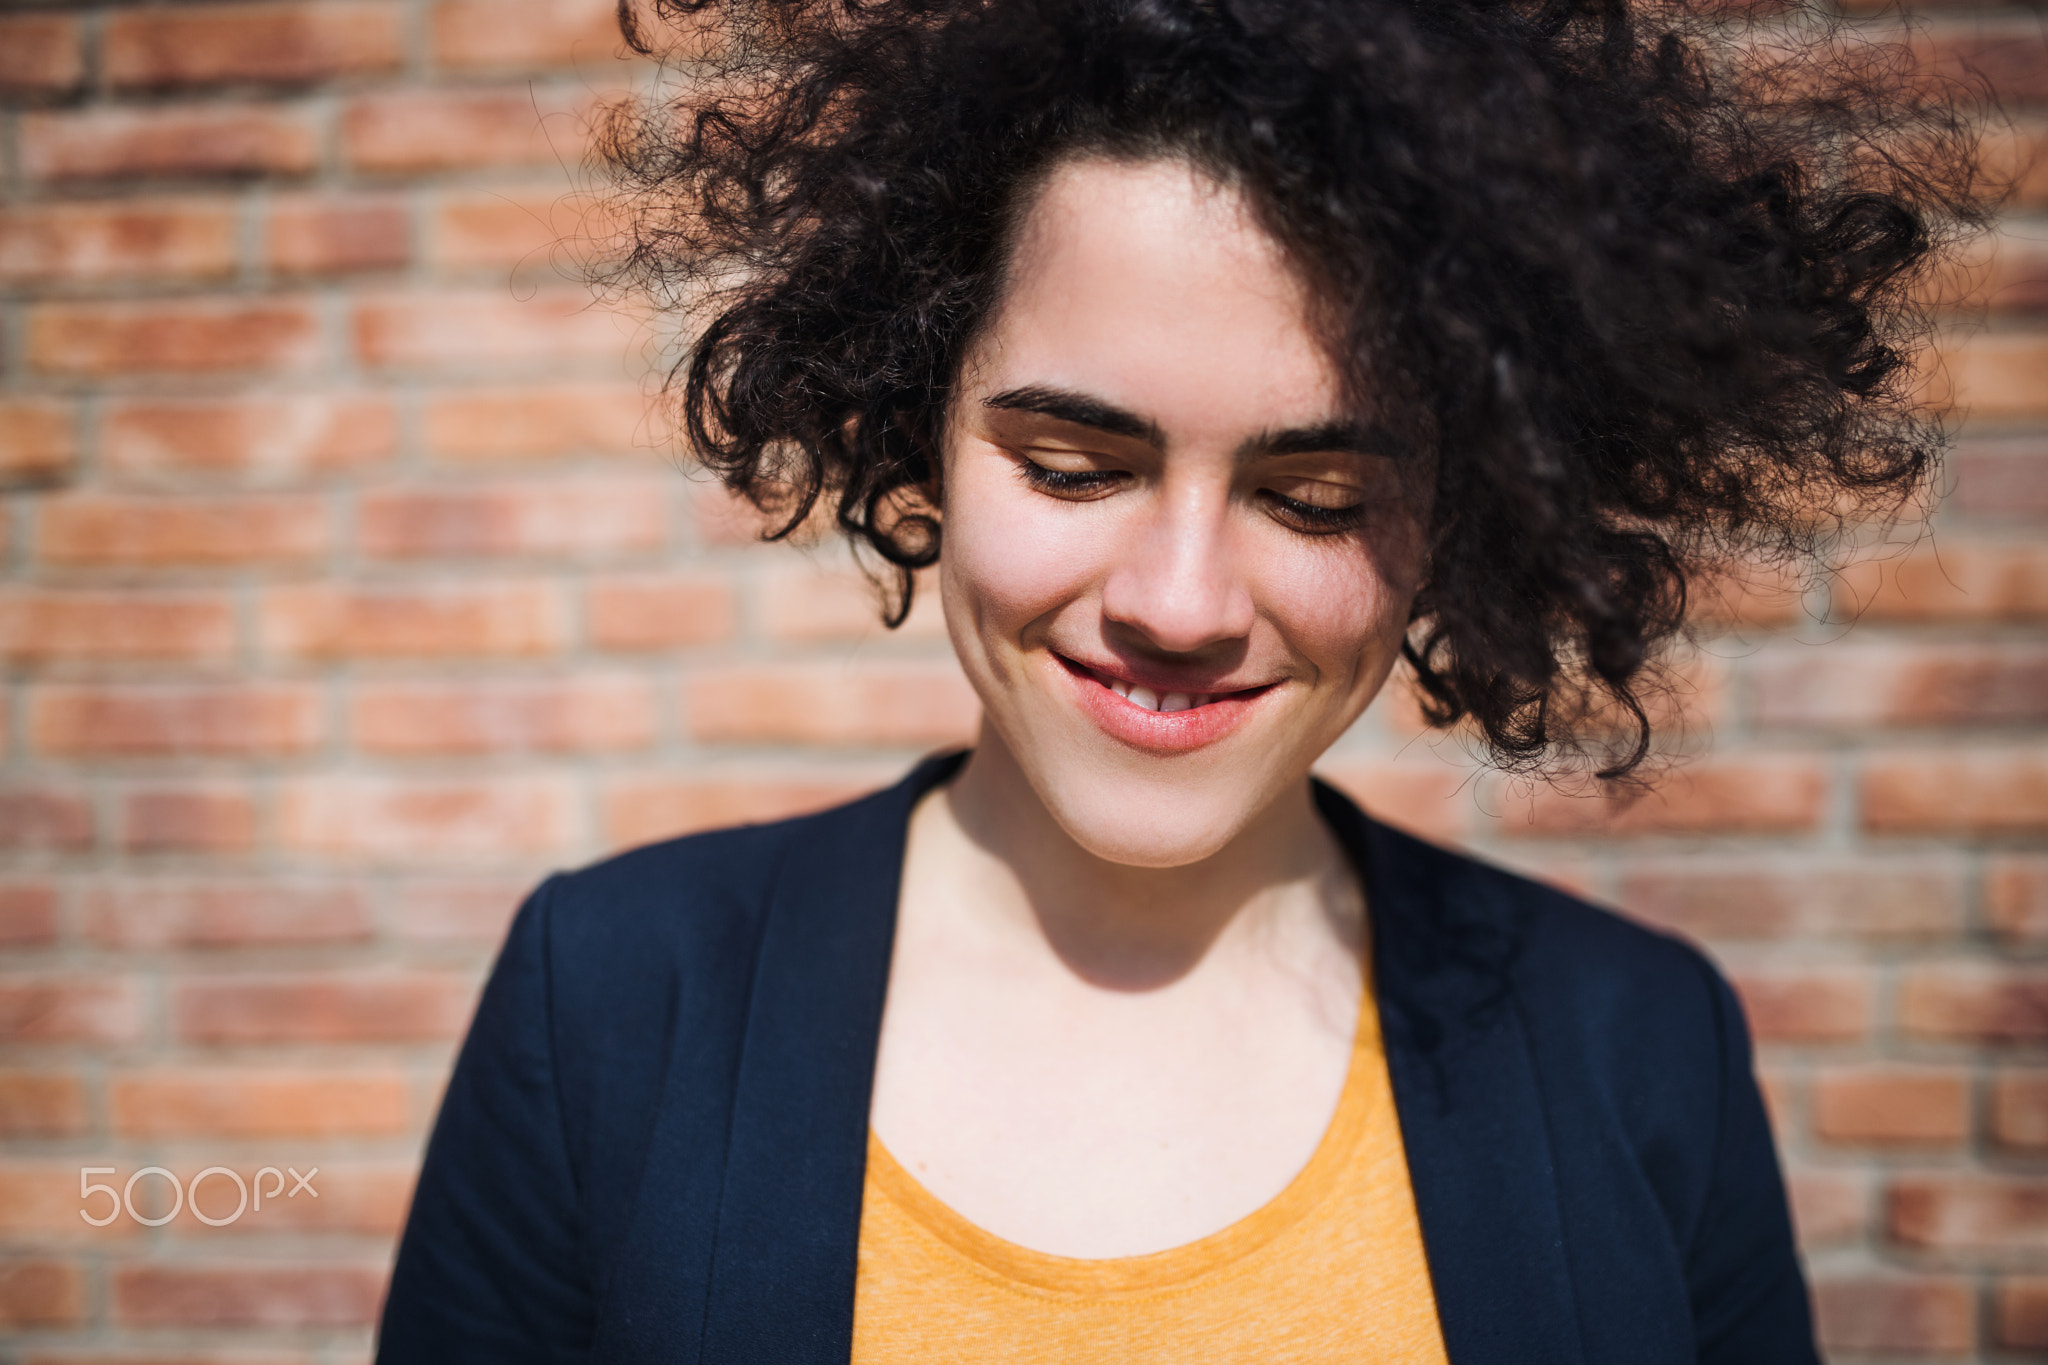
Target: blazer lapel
x,y
784,1253
1470,1103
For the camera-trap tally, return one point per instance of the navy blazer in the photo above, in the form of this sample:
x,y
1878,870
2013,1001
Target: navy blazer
x,y
652,1145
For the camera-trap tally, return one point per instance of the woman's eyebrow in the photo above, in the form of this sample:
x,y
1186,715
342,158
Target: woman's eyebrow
x,y
1066,405
1079,408
1324,438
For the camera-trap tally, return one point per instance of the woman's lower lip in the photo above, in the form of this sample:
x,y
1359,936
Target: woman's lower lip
x,y
1157,731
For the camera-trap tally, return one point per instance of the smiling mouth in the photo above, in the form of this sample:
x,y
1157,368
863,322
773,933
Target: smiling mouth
x,y
1150,699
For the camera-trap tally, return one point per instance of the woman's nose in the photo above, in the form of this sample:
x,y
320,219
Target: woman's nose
x,y
1177,580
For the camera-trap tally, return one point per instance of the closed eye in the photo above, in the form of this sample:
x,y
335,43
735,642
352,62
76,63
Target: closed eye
x,y
1311,518
1075,485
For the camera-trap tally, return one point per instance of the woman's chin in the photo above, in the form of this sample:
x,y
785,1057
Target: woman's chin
x,y
1145,827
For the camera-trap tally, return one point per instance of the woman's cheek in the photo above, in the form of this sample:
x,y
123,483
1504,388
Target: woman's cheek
x,y
1016,556
1337,611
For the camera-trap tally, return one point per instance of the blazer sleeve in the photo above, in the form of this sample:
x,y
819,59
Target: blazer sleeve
x,y
1750,1304
491,1267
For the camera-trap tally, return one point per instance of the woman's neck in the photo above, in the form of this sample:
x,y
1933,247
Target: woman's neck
x,y
1282,885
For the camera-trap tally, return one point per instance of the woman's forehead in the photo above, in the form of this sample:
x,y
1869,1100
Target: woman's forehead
x,y
1153,287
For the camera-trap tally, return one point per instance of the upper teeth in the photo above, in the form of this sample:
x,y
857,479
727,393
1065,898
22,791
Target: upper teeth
x,y
1155,701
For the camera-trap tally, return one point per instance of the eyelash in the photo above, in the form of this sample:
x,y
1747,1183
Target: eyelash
x,y
1319,521
1303,517
1065,481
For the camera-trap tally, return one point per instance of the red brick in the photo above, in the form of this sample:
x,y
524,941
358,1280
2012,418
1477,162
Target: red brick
x,y
457,910
494,328
533,422
525,34
2015,279
2019,1110
1989,273
90,530
188,820
172,336
809,605
642,810
1829,1207
1817,1006
2023,1312
283,438
1950,581
41,1104
1891,1314
45,626
2011,56
1927,7
494,230
102,722
1975,1002
1429,800
2001,481
1969,1213
585,516
724,518
1733,795
65,1356
1811,897
360,1198
1994,375
1784,1096
28,913
902,704
311,235
1857,686
153,914
498,230
201,140
274,44
40,1293
374,818
410,132
1988,793
585,713
40,55
1741,595
1685,702
2016,893
429,621
1892,1106
38,440
48,1008
330,1008
265,1295
39,1204
236,1102
128,239
649,613
2014,152
42,817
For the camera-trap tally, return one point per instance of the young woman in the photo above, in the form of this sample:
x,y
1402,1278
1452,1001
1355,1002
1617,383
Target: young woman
x,y
1221,354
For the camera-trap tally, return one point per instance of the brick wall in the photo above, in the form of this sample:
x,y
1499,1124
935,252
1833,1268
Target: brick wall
x,y
344,590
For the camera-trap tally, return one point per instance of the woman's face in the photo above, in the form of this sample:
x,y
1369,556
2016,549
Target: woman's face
x,y
1175,565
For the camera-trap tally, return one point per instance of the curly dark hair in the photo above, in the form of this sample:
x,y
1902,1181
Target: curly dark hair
x,y
1646,281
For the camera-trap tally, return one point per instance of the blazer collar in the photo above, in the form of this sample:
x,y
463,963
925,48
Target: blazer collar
x,y
788,1232
1446,941
781,1278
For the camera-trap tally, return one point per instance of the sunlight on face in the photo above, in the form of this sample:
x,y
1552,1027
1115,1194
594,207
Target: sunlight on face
x,y
1175,566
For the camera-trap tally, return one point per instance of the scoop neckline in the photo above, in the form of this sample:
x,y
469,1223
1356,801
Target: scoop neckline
x,y
1046,1272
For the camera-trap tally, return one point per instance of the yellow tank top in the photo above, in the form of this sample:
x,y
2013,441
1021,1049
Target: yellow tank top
x,y
1330,1270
